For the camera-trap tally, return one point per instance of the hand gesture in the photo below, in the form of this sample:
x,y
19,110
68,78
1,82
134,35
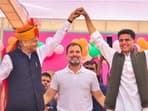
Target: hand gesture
x,y
76,13
83,12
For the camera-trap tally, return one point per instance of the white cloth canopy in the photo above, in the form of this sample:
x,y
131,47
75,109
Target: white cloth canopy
x,y
98,9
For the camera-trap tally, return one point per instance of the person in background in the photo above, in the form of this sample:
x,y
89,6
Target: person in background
x,y
93,66
128,82
104,70
46,79
74,84
22,66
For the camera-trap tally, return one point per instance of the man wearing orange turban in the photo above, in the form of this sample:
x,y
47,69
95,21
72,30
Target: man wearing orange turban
x,y
22,66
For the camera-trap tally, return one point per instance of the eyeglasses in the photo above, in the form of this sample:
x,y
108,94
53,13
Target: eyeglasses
x,y
126,40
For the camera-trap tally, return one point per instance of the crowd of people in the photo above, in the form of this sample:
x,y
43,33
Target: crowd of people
x,y
77,87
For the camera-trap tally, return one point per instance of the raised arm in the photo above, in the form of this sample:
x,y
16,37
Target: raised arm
x,y
76,13
97,38
58,36
91,28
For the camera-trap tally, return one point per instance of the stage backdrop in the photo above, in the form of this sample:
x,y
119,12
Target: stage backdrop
x,y
58,61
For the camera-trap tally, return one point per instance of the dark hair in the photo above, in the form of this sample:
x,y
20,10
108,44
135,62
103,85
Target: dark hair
x,y
46,74
73,44
91,62
127,31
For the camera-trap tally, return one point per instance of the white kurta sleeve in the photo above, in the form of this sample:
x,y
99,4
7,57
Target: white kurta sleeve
x,y
56,40
5,67
101,44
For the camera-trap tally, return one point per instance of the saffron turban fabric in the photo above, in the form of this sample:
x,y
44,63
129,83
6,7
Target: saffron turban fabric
x,y
28,31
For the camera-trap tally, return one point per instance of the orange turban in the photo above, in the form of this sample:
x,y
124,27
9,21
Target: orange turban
x,y
27,32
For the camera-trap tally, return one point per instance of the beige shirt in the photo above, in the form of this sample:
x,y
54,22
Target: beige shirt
x,y
74,89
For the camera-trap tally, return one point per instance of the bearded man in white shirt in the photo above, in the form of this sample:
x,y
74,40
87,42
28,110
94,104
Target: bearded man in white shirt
x,y
74,84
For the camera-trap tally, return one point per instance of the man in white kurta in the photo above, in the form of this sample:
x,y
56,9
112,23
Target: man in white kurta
x,y
128,98
6,64
22,66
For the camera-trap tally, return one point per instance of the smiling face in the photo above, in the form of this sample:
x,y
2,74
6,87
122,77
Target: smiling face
x,y
126,40
74,54
126,43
